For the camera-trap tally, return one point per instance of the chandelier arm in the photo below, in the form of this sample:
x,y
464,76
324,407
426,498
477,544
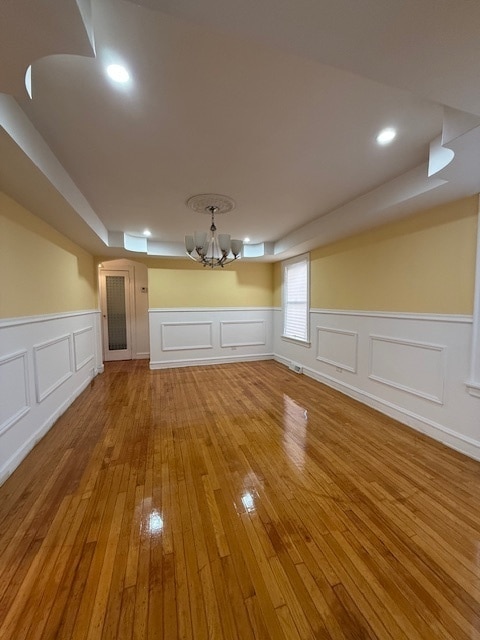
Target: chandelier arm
x,y
215,252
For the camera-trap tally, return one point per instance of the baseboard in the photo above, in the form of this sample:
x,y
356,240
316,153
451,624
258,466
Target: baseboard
x,y
282,360
21,453
446,436
200,362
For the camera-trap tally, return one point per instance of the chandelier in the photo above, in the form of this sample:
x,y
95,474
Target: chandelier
x,y
209,249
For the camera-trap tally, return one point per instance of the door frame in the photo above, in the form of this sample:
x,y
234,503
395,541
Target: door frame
x,y
129,308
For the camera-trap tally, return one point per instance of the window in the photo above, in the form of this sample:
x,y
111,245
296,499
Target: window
x,y
296,303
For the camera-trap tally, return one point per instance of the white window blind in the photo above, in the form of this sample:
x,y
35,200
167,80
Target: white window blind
x,y
296,299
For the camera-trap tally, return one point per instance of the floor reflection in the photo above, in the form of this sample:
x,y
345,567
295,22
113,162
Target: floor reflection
x,y
248,501
295,424
155,523
249,496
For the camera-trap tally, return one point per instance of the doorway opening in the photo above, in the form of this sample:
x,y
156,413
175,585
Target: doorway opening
x,y
124,306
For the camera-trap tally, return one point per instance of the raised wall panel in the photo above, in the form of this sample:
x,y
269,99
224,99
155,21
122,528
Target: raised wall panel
x,y
242,333
415,367
224,334
180,336
14,394
411,366
83,347
52,364
337,347
55,354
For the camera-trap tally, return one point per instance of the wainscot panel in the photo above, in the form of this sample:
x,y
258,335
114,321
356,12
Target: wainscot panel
x,y
411,367
415,367
45,363
185,336
83,346
52,365
337,347
14,394
189,337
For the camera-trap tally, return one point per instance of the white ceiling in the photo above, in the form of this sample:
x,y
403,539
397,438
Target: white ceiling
x,y
273,103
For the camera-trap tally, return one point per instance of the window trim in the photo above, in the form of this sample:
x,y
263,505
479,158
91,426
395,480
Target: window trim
x,y
303,258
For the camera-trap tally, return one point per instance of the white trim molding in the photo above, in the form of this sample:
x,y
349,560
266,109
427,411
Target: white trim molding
x,y
45,363
243,341
428,317
339,350
229,334
76,347
202,362
51,366
190,310
297,341
459,442
473,389
24,407
185,347
417,375
473,385
37,434
410,366
48,317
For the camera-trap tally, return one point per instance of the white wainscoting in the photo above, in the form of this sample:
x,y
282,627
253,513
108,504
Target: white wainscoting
x,y
337,347
188,337
83,346
45,363
412,367
243,333
14,398
185,336
52,365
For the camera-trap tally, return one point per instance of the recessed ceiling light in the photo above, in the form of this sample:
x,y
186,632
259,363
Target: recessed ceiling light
x,y
147,233
246,239
386,135
118,73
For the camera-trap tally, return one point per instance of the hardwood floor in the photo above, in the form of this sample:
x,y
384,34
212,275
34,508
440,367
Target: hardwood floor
x,y
241,501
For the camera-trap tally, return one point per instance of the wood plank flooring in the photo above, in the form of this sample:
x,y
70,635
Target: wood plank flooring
x,y
236,501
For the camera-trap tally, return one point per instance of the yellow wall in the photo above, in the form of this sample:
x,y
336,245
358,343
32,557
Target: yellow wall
x,y
424,264
182,283
421,264
277,284
41,271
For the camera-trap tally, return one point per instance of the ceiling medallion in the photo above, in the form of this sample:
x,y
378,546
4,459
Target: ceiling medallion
x,y
203,202
211,250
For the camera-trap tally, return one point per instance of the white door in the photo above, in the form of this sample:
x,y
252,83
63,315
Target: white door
x,y
116,321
